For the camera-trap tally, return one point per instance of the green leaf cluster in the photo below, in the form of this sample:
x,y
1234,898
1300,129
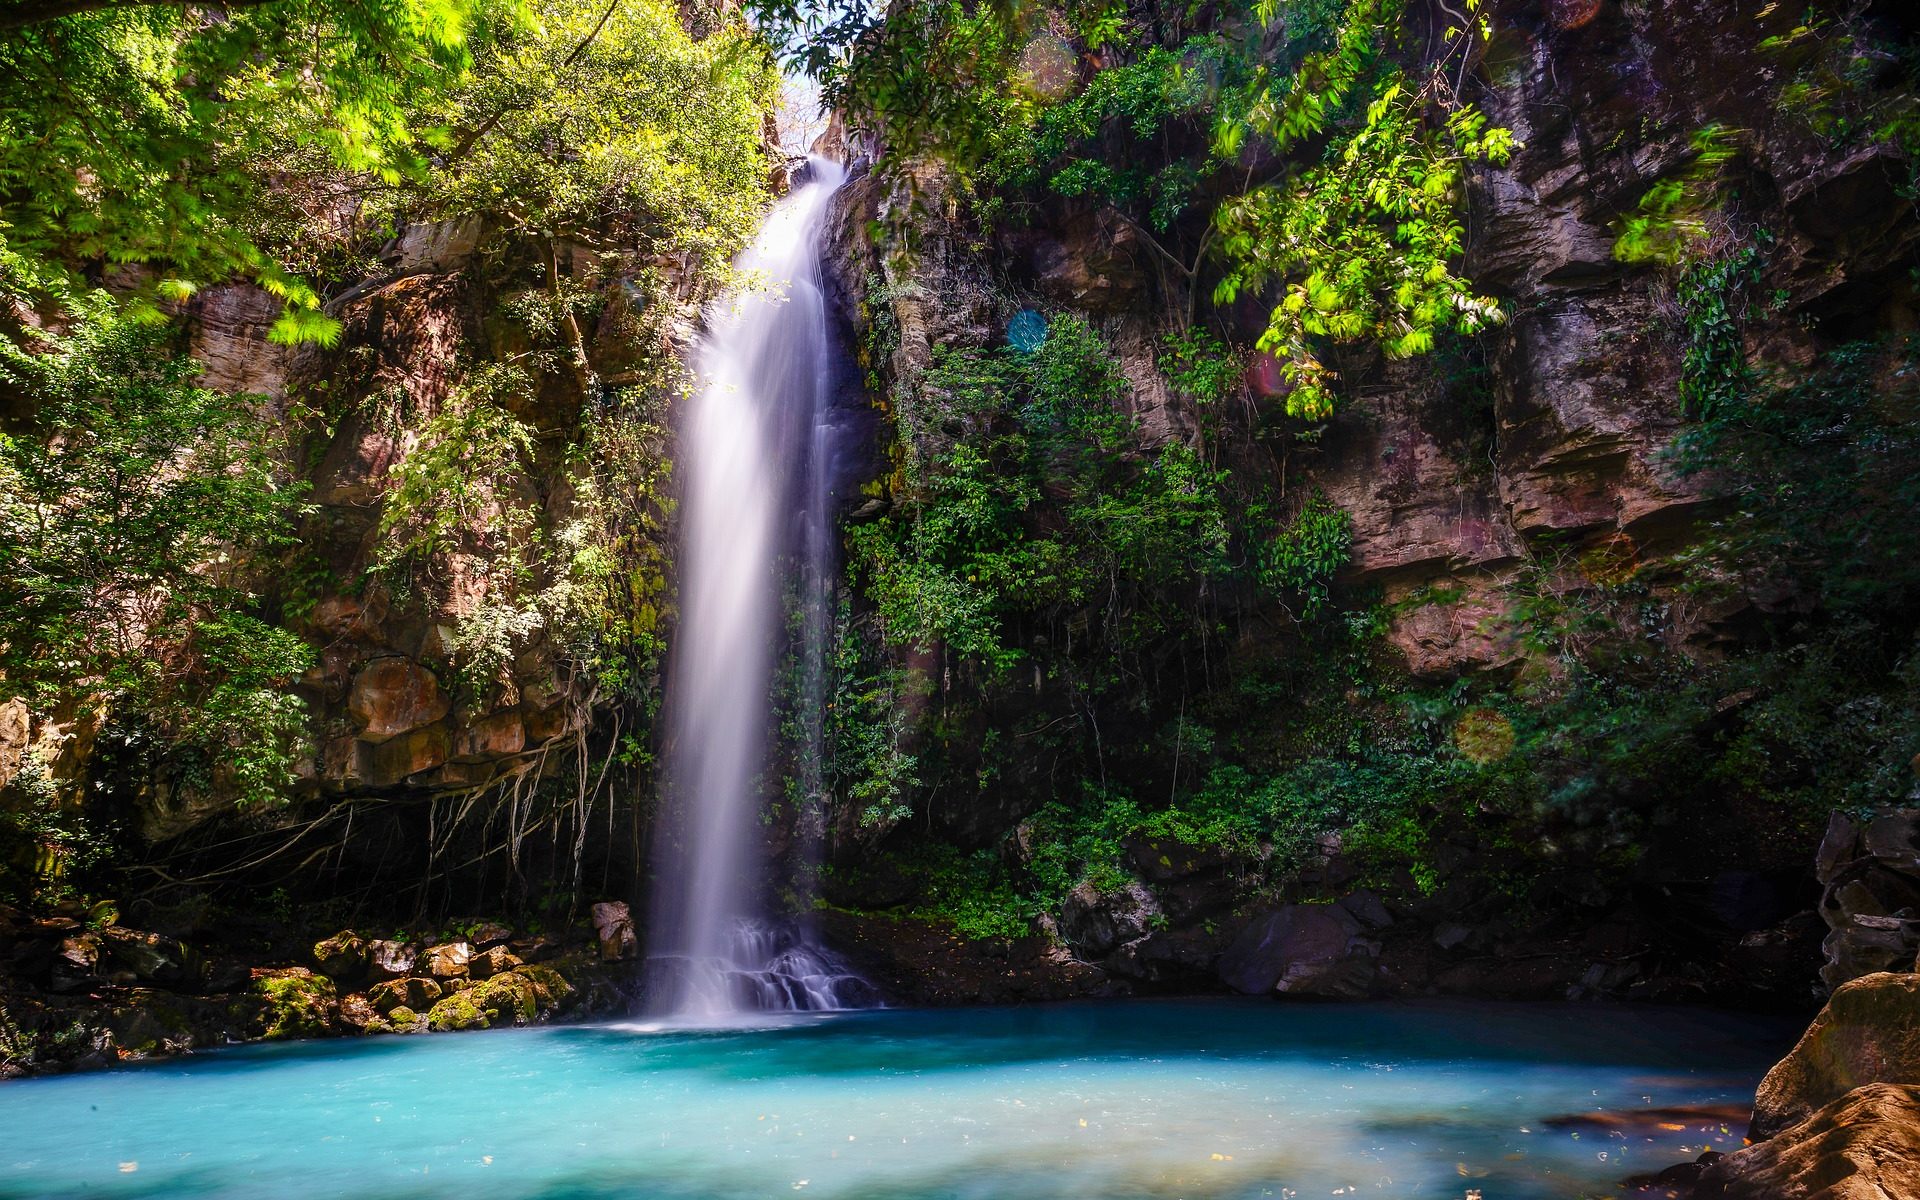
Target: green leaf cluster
x,y
138,513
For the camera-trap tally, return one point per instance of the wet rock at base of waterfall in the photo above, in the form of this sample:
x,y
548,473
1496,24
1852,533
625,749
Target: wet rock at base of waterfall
x,y
613,929
1869,1032
1302,950
449,960
1865,1145
491,962
389,959
1869,872
342,957
412,992
1677,1180
512,998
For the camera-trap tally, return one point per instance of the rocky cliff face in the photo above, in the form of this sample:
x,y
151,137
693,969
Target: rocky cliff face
x,y
1542,466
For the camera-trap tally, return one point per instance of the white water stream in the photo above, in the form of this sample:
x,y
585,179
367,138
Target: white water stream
x,y
756,449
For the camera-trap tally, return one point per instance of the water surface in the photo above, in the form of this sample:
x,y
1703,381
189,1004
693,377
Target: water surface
x,y
1203,1100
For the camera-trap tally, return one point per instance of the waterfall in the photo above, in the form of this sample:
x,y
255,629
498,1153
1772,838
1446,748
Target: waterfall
x,y
757,451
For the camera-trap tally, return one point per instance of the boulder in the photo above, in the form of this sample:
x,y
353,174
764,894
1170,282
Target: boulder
x,y
76,963
1869,1032
1097,923
488,934
1301,950
1865,1145
450,960
391,696
149,957
613,929
457,1011
508,998
491,962
389,959
413,993
1190,882
357,1013
1870,900
499,735
342,956
407,754
295,1003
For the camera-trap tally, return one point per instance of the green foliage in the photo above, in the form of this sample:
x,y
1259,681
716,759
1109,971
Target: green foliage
x,y
1852,83
148,133
1106,141
591,579
589,118
1202,369
1820,469
1360,226
1303,558
1714,375
970,892
1674,219
1364,242
869,721
137,513
1024,492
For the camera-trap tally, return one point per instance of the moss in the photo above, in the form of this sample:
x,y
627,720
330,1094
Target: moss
x,y
400,1020
551,989
457,1011
296,1003
506,997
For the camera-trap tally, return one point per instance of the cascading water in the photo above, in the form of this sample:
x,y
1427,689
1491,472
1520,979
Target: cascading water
x,y
757,446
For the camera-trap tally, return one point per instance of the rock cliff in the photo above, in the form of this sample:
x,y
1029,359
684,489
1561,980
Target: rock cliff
x,y
1536,466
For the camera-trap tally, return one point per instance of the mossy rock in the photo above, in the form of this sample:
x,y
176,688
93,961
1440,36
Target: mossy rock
x,y
505,997
551,989
296,1003
457,1011
342,956
412,992
400,1020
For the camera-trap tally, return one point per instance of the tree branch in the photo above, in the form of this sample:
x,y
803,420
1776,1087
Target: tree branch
x,y
38,12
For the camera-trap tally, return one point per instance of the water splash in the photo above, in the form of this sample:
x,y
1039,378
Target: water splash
x,y
756,449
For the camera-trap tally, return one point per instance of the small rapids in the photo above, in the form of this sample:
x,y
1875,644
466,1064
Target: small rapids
x,y
768,967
